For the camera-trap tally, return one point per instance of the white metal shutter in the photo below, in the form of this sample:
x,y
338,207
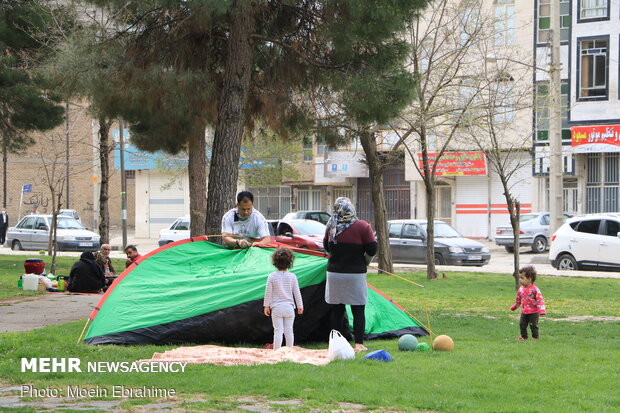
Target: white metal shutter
x,y
472,206
166,200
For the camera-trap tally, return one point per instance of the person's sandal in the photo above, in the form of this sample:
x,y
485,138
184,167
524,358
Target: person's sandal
x,y
360,347
521,339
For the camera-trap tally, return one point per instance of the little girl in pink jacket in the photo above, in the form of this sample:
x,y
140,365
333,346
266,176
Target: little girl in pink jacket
x,y
531,301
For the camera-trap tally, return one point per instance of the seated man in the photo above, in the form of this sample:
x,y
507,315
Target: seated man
x,y
102,257
132,255
86,276
244,222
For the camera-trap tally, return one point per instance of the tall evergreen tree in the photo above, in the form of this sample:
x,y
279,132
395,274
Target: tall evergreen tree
x,y
26,104
201,63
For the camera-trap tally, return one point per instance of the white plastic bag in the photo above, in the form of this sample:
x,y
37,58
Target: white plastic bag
x,y
339,348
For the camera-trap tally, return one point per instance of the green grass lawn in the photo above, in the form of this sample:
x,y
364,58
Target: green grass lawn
x,y
574,367
12,267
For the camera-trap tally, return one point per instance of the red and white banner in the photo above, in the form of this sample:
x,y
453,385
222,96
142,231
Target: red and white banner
x,y
456,163
595,138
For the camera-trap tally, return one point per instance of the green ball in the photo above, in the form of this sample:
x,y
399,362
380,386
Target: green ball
x,y
423,347
407,342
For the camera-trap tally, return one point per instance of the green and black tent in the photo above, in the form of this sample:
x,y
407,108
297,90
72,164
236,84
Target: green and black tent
x,y
194,291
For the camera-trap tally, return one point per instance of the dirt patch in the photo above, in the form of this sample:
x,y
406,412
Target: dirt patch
x,y
9,398
582,318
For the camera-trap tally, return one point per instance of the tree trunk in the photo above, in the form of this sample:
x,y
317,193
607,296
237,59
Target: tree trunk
x,y
515,213
429,186
52,237
104,158
224,169
53,247
197,170
369,144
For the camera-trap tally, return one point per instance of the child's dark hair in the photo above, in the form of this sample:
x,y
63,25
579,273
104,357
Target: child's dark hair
x,y
529,272
282,258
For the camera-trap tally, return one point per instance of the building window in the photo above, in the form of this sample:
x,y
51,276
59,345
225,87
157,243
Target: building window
x,y
593,68
308,156
504,22
544,20
602,179
593,9
309,200
504,100
470,23
321,147
542,112
273,202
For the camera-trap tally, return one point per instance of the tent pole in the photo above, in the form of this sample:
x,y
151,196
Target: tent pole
x,y
83,330
428,321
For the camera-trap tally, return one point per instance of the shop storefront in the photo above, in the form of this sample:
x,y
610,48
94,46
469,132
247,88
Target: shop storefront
x,y
597,149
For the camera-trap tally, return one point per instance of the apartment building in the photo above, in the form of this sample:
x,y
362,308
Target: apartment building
x,y
469,193
590,47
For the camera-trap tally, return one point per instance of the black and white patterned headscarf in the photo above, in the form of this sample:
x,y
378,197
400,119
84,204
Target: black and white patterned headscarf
x,y
344,216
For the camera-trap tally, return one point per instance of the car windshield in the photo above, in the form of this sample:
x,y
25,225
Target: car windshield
x,y
68,223
443,230
309,227
527,217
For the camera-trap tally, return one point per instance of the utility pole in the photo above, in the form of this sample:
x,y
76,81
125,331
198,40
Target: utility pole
x,y
556,169
67,154
121,142
4,161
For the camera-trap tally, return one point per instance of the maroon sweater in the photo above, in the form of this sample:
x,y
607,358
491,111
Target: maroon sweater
x,y
347,256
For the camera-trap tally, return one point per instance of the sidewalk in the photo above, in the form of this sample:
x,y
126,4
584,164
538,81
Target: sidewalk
x,y
144,245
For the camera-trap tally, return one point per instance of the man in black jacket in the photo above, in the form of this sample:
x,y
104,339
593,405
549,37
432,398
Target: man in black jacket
x,y
4,226
86,276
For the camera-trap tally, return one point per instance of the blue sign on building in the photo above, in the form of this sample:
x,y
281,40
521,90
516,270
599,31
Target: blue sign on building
x,y
139,159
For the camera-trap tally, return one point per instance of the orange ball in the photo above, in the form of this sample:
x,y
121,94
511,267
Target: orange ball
x,y
443,343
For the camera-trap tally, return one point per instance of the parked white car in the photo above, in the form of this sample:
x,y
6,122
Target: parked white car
x,y
587,242
33,232
178,230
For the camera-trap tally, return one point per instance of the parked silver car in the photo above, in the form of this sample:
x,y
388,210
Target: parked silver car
x,y
408,244
533,232
33,232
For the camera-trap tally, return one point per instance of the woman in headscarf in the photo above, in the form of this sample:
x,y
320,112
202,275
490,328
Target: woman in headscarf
x,y
348,240
86,275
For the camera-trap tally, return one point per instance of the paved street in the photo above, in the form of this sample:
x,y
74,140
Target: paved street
x,y
501,261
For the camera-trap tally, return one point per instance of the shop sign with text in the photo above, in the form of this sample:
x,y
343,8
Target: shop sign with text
x,y
595,138
457,163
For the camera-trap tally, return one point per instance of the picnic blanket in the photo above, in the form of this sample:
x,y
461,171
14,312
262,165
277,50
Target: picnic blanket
x,y
246,356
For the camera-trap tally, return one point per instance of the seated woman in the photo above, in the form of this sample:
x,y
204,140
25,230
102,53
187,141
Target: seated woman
x,y
86,275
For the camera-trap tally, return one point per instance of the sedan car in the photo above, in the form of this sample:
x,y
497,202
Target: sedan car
x,y
533,232
300,233
587,242
320,216
178,230
408,244
33,232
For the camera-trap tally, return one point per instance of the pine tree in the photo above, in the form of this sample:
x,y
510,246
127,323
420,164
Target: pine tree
x,y
202,63
26,103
